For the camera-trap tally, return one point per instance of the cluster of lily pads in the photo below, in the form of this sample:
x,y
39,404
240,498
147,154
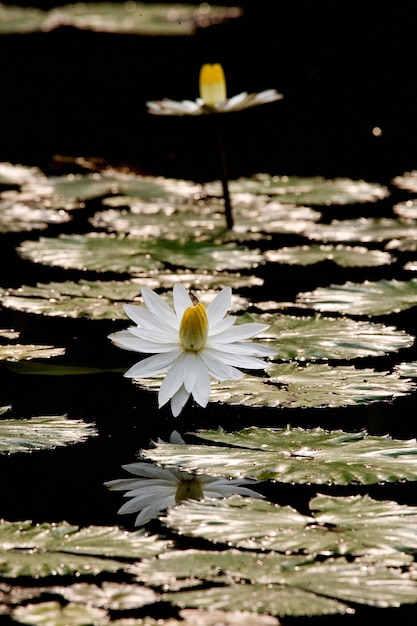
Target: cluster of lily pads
x,y
143,231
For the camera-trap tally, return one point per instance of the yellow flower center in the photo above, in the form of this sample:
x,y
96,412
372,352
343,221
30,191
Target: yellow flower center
x,y
194,328
212,84
189,489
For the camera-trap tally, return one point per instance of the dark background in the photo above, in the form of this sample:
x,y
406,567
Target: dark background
x,y
344,68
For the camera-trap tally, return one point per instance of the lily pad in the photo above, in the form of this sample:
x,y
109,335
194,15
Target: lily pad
x,y
104,299
111,17
279,584
408,369
314,385
294,455
10,173
368,298
18,217
204,220
363,229
407,181
116,253
406,210
110,595
60,549
315,190
312,338
354,525
345,256
53,614
18,352
43,432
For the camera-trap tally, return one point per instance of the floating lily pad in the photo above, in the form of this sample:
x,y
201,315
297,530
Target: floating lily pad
x,y
368,298
406,210
312,338
18,217
294,455
10,173
105,299
53,614
309,191
345,256
279,584
114,596
39,550
8,333
407,369
204,219
18,352
407,181
136,18
354,525
363,229
44,432
404,244
101,252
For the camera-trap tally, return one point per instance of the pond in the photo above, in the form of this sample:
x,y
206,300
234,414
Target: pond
x,y
269,477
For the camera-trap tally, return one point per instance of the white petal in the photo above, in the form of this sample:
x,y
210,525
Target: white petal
x,y
149,470
179,400
152,512
181,300
157,336
127,341
146,319
153,365
222,325
190,371
202,387
172,381
218,368
249,348
159,307
219,306
242,331
238,360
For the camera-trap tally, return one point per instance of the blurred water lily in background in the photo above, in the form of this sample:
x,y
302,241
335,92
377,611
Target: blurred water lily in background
x,y
213,97
154,488
190,343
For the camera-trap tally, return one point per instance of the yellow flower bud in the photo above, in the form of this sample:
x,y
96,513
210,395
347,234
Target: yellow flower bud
x,y
189,489
212,84
194,328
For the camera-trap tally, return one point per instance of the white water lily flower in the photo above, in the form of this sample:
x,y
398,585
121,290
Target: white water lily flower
x,y
190,343
212,97
155,489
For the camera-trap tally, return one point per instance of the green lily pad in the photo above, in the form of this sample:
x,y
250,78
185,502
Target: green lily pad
x,y
369,298
407,181
61,549
53,614
345,256
294,455
406,210
407,369
43,432
105,299
404,244
110,17
17,352
314,385
111,595
312,338
101,252
354,525
362,229
309,191
279,584
198,220
18,217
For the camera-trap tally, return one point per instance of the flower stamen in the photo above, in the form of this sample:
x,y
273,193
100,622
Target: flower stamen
x,y
194,328
212,84
190,489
